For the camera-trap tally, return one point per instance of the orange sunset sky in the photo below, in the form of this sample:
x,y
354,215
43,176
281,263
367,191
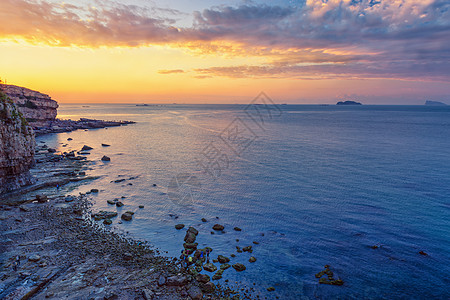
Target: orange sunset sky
x,y
311,51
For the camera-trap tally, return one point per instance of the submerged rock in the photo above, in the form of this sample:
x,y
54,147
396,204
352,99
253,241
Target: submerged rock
x,y
179,226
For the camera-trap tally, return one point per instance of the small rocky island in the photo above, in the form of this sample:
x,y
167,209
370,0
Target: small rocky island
x,y
434,103
348,102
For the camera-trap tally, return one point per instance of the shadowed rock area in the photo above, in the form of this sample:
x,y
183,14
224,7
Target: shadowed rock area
x,y
16,147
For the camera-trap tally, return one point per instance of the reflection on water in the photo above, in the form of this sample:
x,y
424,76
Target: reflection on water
x,y
317,186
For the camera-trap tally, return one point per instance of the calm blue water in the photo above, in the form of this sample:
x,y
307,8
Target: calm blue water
x,y
314,185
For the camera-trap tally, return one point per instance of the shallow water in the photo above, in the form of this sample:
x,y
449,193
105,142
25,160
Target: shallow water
x,y
314,185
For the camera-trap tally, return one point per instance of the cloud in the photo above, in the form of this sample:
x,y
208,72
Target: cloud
x,y
106,24
170,71
366,38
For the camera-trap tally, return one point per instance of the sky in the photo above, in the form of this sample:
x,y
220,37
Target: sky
x,y
217,51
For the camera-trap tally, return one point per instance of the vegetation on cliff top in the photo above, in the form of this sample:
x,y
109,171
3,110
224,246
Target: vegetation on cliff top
x,y
12,114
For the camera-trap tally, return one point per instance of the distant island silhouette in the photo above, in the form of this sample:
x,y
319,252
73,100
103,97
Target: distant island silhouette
x,y
434,103
348,102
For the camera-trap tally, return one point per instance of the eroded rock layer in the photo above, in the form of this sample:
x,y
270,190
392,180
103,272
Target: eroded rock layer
x,y
17,146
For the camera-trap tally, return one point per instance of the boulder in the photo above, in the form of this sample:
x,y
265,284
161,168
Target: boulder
x,y
218,227
252,259
192,246
86,148
204,278
193,230
179,226
189,237
239,267
195,292
237,229
179,280
225,266
208,287
247,249
106,158
223,259
209,267
127,217
217,277
34,258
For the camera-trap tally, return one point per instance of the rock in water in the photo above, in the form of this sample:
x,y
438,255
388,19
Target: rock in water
x,y
127,216
86,148
239,267
179,226
218,227
105,145
223,259
17,146
193,230
106,158
210,267
190,237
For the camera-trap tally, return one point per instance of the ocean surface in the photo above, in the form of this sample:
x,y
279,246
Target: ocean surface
x,y
313,185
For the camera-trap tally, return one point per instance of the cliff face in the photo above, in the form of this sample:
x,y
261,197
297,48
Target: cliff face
x,y
17,146
39,109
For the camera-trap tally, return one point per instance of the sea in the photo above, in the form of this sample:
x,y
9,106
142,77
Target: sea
x,y
362,189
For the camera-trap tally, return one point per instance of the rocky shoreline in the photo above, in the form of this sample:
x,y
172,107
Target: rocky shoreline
x,y
58,126
51,247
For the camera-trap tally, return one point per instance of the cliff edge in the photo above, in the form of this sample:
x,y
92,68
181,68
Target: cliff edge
x,y
39,109
17,146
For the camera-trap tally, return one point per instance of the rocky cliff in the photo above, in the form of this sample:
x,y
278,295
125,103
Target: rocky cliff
x,y
39,109
16,147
